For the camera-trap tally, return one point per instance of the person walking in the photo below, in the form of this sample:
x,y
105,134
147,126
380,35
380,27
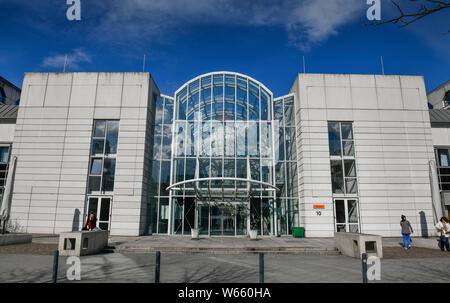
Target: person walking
x,y
406,232
443,228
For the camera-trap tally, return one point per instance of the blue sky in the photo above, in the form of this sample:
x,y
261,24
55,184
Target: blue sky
x,y
182,39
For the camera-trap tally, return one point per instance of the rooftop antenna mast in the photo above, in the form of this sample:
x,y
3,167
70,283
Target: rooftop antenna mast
x,y
65,63
143,65
304,65
382,65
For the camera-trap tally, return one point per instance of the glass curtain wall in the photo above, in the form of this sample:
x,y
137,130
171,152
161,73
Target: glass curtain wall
x,y
286,164
158,208
221,120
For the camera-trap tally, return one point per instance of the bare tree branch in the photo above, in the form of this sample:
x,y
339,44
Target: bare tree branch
x,y
425,9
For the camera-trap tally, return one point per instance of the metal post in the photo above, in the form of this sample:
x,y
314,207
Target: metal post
x,y
55,266
157,266
364,267
261,267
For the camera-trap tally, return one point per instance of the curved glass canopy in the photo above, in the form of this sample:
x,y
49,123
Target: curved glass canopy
x,y
223,96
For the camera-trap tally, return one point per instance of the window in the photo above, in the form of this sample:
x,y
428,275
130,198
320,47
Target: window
x,y
443,157
346,215
2,96
443,168
4,161
342,162
102,164
447,96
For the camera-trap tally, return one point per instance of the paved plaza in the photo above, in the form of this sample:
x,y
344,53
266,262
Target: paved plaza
x,y
222,268
227,260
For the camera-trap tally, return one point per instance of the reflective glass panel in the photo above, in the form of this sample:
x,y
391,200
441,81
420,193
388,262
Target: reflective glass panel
x,y
229,139
253,139
350,170
206,139
264,105
159,110
180,130
278,111
337,178
111,137
4,154
96,166
352,211
253,102
154,182
94,183
109,171
349,149
167,142
97,146
217,138
99,130
255,170
182,104
241,104
241,139
165,178
351,185
178,170
190,169
347,131
168,111
334,138
289,112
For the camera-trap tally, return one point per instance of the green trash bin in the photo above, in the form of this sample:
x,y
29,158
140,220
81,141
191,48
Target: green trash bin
x,y
298,232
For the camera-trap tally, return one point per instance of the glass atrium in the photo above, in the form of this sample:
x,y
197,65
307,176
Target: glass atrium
x,y
224,159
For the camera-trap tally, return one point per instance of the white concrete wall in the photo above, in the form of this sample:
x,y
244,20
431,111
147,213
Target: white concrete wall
x,y
52,142
441,136
393,145
7,132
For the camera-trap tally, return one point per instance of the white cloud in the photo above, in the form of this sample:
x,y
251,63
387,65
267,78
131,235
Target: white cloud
x,y
73,59
307,22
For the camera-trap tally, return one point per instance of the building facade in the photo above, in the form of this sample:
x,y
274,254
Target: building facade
x,y
9,93
345,153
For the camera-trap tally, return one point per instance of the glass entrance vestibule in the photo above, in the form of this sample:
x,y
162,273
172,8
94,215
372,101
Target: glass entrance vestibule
x,y
225,218
222,219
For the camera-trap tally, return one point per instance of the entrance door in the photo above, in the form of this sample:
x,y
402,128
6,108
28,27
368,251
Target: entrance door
x,y
222,220
101,207
346,215
216,221
228,220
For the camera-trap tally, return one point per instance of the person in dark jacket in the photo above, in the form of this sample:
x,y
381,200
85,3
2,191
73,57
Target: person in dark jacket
x,y
91,222
406,232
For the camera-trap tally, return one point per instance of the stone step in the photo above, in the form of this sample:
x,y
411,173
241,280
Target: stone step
x,y
227,250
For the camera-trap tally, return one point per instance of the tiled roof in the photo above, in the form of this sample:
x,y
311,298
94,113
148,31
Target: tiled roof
x,y
8,113
440,117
